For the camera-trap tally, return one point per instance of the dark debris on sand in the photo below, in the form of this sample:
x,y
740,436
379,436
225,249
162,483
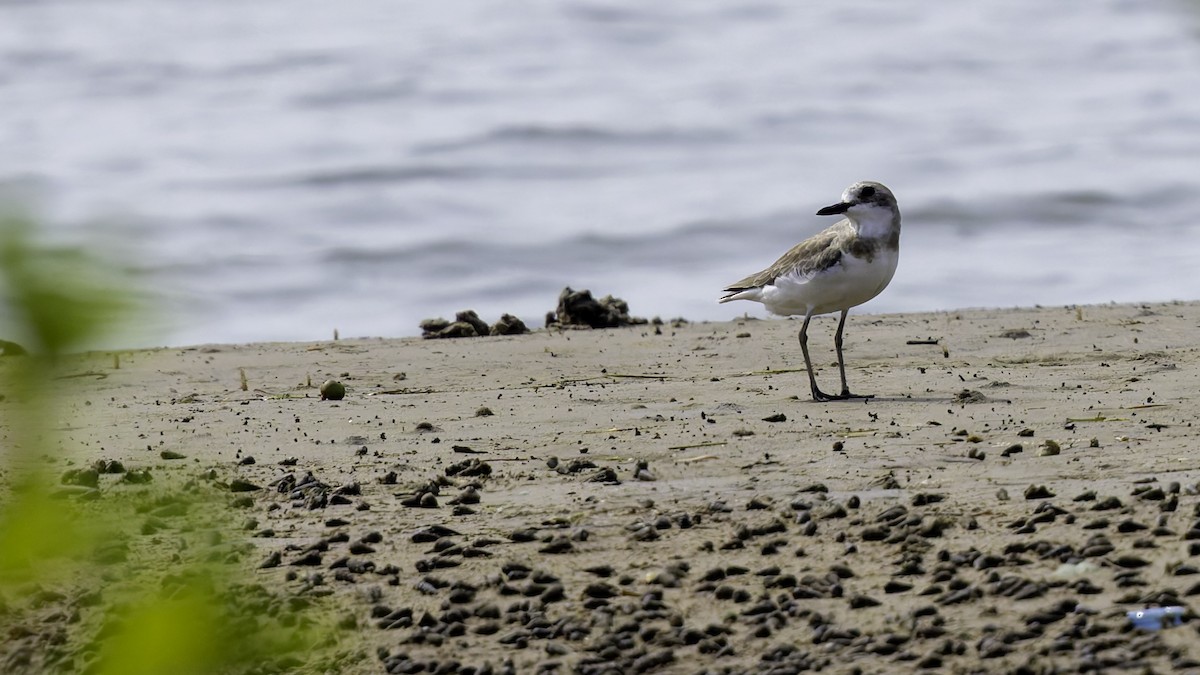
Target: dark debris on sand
x,y
576,309
468,324
579,308
450,596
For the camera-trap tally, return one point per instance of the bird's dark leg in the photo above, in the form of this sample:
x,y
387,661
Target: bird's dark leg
x,y
817,394
837,343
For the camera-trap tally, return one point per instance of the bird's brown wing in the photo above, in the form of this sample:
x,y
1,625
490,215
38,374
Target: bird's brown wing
x,y
815,254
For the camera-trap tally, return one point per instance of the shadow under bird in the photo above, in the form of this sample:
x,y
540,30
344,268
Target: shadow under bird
x,y
836,269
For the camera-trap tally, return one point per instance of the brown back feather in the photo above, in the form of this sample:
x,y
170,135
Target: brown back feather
x,y
815,254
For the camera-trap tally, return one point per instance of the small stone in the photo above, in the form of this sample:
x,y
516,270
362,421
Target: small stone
x,y
524,535
137,477
1155,494
82,477
969,396
239,485
991,647
332,390
469,468
863,601
428,534
310,559
1012,450
109,466
1038,492
605,475
601,590
557,545
1129,561
875,533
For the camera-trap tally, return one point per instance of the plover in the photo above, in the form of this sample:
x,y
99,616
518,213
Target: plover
x,y
834,270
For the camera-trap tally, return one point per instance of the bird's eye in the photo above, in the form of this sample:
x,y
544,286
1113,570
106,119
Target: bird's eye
x,y
866,193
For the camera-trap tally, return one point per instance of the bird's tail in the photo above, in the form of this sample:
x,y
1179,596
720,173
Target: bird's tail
x,y
752,293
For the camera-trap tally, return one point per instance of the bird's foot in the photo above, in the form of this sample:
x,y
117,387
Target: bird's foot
x,y
821,396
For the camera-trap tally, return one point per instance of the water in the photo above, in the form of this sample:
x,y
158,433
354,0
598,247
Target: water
x,y
282,169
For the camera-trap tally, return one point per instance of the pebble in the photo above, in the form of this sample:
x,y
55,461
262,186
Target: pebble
x,y
1038,492
240,485
309,559
558,544
81,477
332,390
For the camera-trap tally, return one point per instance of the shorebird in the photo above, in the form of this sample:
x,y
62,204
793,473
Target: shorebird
x,y
841,267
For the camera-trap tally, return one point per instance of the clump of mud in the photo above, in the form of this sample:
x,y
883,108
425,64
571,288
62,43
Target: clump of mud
x,y
579,308
576,309
468,324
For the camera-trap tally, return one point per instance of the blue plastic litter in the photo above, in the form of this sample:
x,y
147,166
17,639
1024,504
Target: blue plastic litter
x,y
1154,618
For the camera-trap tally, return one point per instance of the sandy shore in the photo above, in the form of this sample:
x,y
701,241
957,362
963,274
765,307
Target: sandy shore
x,y
619,500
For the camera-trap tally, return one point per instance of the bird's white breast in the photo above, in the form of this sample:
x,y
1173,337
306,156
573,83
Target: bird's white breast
x,y
851,282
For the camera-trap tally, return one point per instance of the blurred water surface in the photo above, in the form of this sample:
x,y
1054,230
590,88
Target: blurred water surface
x,y
282,169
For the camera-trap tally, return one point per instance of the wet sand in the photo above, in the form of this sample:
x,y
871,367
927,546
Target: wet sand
x,y
667,499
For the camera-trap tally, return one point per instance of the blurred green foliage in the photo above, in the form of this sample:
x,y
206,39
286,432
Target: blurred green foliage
x,y
83,588
60,299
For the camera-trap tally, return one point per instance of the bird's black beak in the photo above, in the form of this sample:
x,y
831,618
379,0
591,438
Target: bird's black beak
x,y
840,207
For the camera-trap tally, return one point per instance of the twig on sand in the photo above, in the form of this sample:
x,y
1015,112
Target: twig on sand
x,y
708,444
771,371
577,380
641,376
856,433
697,458
615,430
1098,418
401,392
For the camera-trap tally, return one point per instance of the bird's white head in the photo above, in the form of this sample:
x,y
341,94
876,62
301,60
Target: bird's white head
x,y
870,206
